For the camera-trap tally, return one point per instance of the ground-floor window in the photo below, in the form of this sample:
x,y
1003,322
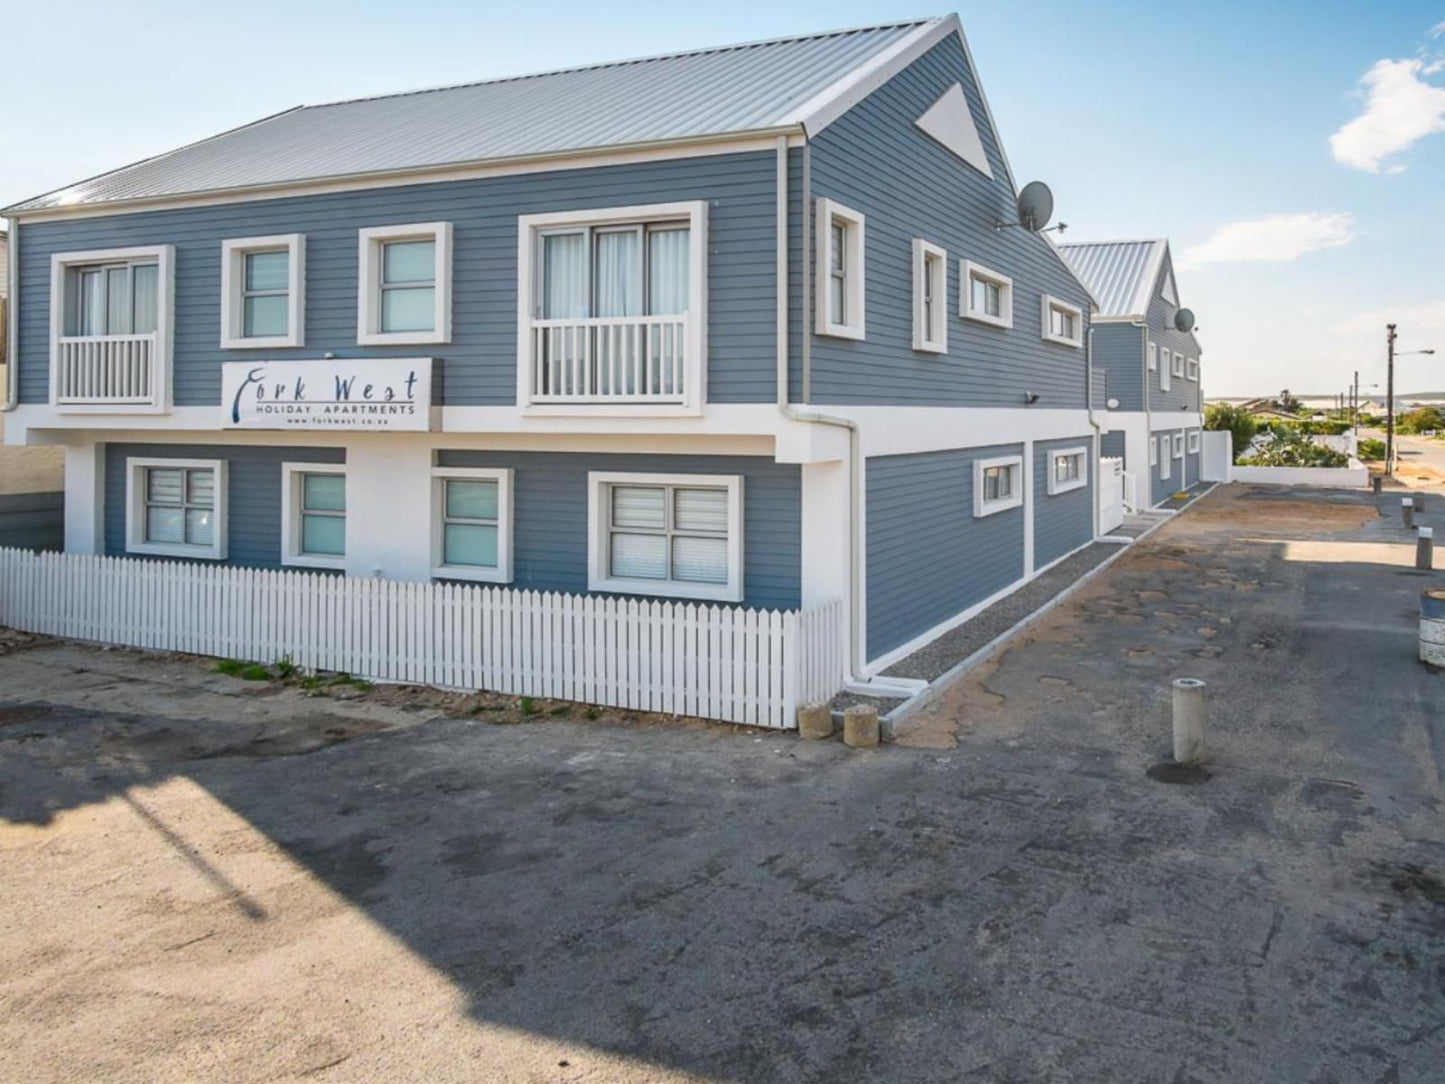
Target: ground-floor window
x,y
176,507
1193,441
676,534
313,515
1162,456
1068,469
472,524
997,484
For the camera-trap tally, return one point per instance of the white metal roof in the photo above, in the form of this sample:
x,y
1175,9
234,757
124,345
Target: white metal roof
x,y
758,87
1120,274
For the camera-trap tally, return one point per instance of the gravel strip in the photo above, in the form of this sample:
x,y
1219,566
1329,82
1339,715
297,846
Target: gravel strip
x,y
958,644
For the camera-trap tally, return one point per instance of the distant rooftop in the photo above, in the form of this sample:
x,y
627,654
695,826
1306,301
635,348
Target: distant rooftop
x,y
758,87
1118,273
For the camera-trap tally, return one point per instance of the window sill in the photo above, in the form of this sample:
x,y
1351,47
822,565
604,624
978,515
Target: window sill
x,y
708,592
991,321
1066,487
989,508
1059,340
192,553
306,560
262,342
470,573
401,338
923,347
842,331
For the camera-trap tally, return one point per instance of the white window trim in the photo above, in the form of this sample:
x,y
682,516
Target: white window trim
x,y
439,568
1164,457
161,390
291,474
135,520
1056,487
1179,365
1153,451
982,507
1193,441
1153,356
931,340
1191,369
855,299
1164,368
967,272
233,280
1178,445
695,381
368,283
598,578
1050,303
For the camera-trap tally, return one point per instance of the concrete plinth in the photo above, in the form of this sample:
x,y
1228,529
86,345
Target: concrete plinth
x,y
815,722
860,726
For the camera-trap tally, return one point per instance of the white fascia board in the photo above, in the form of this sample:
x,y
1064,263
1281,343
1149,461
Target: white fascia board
x,y
834,100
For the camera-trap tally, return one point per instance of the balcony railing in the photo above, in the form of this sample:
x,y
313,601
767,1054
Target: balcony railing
x,y
614,359
106,370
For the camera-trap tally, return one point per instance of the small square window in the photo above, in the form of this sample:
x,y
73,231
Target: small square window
x,y
313,515
985,296
841,247
1179,365
1192,369
1062,323
1178,445
404,285
263,292
472,524
176,507
1068,469
1193,441
930,297
997,484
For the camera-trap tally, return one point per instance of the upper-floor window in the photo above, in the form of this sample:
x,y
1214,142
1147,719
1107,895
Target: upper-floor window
x,y
984,295
1062,323
112,298
930,297
841,247
1179,365
405,284
263,282
1165,368
612,308
1192,368
1153,356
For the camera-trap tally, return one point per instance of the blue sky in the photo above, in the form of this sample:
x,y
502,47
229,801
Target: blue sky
x,y
1211,125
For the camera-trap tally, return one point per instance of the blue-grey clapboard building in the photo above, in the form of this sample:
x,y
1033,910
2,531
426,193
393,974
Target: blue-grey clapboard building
x,y
754,325
1146,366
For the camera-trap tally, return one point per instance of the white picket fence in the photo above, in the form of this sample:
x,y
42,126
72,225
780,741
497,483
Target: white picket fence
x,y
715,662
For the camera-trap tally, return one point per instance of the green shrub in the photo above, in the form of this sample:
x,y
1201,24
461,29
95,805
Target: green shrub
x,y
1239,423
527,706
254,671
1287,448
233,667
1420,419
1372,449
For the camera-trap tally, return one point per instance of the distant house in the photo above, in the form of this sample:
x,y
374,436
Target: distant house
x,y
1150,367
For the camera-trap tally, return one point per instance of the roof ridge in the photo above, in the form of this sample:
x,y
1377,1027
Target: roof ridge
x,y
1126,241
601,65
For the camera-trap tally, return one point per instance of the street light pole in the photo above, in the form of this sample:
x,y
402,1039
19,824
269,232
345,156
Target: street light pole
x,y
1390,400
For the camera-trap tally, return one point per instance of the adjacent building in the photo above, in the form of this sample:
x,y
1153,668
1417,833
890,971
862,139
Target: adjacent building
x,y
753,325
1147,363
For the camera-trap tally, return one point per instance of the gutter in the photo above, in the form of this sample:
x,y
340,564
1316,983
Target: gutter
x,y
854,664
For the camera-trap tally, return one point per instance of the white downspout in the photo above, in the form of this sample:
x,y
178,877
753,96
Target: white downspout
x,y
1093,422
11,394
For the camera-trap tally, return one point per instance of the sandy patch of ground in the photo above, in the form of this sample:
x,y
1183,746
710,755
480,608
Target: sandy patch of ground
x,y
30,470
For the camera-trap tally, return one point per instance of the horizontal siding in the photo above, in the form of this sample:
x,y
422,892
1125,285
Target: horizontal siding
x,y
33,520
876,160
550,510
1184,394
1162,489
1112,444
1119,354
253,499
1062,522
479,366
928,558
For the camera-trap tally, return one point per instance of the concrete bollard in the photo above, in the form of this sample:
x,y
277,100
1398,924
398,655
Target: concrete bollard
x,y
1375,482
860,726
1425,548
815,721
1432,627
1190,711
1419,499
1407,513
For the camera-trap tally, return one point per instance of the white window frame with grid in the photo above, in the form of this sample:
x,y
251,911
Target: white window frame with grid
x,y
1191,369
294,512
847,269
984,505
968,272
1153,451
441,569
372,242
1193,441
1052,305
114,355
1081,478
600,485
1179,365
234,291
137,493
930,297
1153,356
532,327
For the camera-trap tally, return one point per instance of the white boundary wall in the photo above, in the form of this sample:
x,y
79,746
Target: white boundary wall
x,y
715,662
1216,464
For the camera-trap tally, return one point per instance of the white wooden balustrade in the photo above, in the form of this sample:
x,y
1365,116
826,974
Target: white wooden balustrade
x,y
106,369
621,359
715,662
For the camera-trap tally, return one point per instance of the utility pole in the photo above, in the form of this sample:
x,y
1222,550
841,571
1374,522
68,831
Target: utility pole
x,y
1389,400
1355,402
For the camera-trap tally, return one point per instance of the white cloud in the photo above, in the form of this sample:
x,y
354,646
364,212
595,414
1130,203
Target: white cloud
x,y
1420,325
1277,239
1400,108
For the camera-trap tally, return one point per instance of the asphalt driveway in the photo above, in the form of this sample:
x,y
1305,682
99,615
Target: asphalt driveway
x,y
208,880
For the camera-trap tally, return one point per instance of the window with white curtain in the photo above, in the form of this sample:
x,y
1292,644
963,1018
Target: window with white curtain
x,y
176,507
118,298
676,535
605,271
472,524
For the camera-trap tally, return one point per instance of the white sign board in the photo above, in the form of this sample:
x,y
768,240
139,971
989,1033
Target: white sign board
x,y
335,393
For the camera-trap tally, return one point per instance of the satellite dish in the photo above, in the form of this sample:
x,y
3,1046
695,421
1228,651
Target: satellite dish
x,y
1036,206
1184,320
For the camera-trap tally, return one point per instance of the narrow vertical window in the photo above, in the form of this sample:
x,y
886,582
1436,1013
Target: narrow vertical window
x,y
930,291
840,266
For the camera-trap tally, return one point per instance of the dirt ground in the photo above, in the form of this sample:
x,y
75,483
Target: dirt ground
x,y
206,878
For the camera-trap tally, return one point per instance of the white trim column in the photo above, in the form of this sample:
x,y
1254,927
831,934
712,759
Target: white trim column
x,y
85,497
388,507
1029,487
825,532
